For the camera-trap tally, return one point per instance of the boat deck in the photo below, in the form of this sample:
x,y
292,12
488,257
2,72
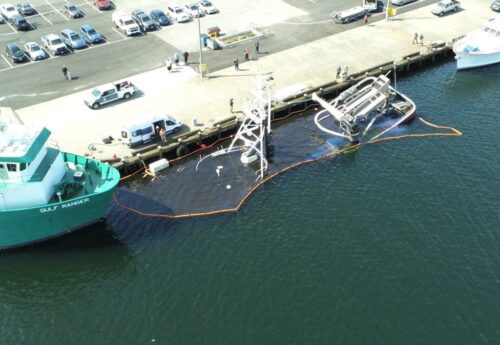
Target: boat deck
x,y
83,177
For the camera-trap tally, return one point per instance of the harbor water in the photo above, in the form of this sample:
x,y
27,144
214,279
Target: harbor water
x,y
395,243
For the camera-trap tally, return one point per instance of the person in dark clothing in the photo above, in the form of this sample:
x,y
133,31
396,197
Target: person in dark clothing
x,y
64,70
246,54
415,39
186,55
231,104
257,47
339,69
236,64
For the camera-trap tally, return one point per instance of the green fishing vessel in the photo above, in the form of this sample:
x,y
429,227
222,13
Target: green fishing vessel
x,y
44,192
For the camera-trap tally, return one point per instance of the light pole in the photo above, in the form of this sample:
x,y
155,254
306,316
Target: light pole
x,y
199,40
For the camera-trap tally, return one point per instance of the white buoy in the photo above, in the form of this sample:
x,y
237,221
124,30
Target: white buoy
x,y
228,186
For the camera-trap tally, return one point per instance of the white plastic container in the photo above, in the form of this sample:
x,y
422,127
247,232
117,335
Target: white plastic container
x,y
158,166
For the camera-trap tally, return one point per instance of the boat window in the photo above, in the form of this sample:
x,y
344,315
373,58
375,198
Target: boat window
x,y
22,166
1,166
11,167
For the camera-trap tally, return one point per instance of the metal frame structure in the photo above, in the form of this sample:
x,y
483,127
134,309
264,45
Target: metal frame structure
x,y
252,136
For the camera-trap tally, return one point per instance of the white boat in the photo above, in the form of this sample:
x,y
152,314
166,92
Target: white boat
x,y
480,47
361,107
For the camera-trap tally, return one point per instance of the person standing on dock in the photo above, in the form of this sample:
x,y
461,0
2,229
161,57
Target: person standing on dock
x,y
257,47
247,54
186,56
339,69
236,64
231,104
421,39
163,134
365,19
176,59
344,74
415,39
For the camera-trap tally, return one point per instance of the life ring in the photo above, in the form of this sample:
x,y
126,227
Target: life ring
x,y
182,150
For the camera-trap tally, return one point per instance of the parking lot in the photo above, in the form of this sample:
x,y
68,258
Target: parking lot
x,y
290,23
50,18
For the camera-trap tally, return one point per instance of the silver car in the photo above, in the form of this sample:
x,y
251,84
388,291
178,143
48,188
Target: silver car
x,y
34,51
401,2
178,14
495,5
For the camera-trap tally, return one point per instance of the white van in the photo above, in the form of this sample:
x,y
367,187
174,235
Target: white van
x,y
145,128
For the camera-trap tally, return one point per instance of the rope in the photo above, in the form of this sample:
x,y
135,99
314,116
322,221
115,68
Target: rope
x,y
454,133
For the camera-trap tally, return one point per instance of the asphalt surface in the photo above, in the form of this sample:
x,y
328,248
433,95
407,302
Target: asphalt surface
x,y
29,83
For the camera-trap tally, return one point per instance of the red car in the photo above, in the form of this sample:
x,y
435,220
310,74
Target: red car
x,y
102,4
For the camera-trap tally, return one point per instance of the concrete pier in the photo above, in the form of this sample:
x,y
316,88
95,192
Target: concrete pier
x,y
373,48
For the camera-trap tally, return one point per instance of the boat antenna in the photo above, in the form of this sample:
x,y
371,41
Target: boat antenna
x,y
394,65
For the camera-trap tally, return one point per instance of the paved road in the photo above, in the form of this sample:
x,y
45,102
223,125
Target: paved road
x,y
32,83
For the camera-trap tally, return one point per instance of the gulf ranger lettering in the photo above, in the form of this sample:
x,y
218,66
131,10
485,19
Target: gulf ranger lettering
x,y
76,202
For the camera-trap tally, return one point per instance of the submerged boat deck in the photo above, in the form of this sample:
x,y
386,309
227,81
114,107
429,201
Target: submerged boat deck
x,y
182,191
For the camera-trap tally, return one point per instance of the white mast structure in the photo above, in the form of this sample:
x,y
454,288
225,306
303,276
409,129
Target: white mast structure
x,y
252,131
252,136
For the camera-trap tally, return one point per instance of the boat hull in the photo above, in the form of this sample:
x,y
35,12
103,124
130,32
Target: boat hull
x,y
467,61
23,227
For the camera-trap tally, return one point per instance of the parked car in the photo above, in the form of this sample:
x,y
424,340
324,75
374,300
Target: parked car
x,y
2,20
90,35
72,11
25,9
193,10
445,6
178,14
495,5
8,11
208,7
143,20
102,4
14,52
19,22
125,23
72,39
349,15
160,18
34,51
54,44
401,2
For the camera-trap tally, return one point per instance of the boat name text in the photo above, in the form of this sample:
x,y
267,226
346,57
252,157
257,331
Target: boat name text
x,y
65,205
